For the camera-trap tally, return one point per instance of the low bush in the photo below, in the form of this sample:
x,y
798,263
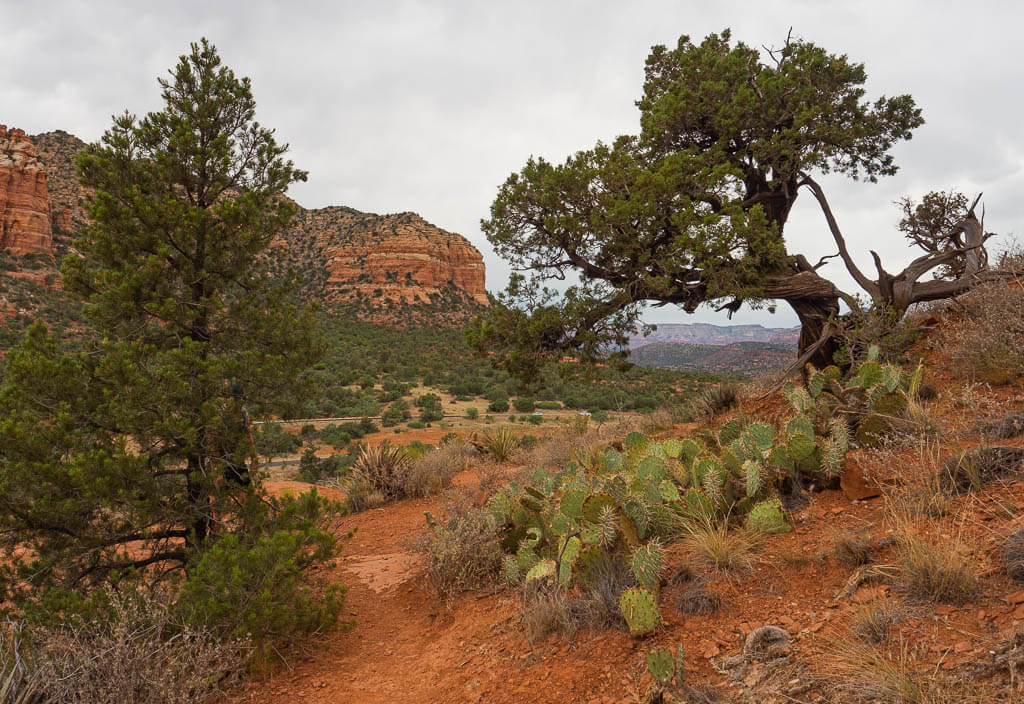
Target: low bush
x,y
273,441
463,552
498,406
253,586
141,653
987,342
315,469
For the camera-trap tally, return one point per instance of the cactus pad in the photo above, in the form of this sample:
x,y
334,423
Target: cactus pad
x,y
640,611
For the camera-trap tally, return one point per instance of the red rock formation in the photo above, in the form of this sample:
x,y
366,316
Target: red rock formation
x,y
382,259
411,263
24,201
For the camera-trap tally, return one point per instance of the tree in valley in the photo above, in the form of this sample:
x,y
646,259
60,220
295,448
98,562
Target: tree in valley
x,y
128,456
693,209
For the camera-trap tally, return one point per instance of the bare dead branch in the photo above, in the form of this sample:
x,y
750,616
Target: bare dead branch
x,y
869,286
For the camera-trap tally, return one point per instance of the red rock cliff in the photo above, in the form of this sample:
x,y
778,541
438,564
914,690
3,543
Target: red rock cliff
x,y
379,259
24,200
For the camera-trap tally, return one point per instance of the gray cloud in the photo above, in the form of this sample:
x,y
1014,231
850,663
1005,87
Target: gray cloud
x,y
428,106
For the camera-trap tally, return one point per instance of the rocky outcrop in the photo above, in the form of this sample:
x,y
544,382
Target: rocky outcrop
x,y
24,199
57,151
379,260
386,267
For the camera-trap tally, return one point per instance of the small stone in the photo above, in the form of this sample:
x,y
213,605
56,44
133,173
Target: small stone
x,y
1014,597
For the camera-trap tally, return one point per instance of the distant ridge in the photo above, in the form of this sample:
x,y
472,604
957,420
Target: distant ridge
x,y
735,358
708,334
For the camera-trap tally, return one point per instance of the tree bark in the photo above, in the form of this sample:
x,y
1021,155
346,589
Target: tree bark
x,y
815,301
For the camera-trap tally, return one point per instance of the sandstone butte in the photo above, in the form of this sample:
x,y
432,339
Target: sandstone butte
x,y
398,258
25,226
381,262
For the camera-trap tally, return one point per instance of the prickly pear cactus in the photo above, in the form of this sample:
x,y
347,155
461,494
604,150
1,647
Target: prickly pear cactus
x,y
767,517
640,610
661,663
647,563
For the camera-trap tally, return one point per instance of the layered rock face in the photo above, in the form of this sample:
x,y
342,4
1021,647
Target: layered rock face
x,y
381,259
387,268
24,199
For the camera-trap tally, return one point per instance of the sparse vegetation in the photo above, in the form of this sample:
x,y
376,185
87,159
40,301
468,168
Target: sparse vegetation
x,y
138,652
462,552
938,572
720,548
874,621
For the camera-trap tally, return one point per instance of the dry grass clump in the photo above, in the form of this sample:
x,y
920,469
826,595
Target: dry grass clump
x,y
715,400
865,674
987,342
434,471
939,573
548,610
140,655
720,548
689,593
855,549
1013,555
921,490
873,622
973,469
462,553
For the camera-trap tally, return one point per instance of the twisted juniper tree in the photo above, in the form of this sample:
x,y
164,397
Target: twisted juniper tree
x,y
128,454
693,209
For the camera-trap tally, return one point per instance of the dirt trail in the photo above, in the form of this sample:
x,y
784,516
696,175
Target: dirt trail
x,y
409,647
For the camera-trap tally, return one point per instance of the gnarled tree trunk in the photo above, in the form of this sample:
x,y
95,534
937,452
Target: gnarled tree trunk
x,y
815,301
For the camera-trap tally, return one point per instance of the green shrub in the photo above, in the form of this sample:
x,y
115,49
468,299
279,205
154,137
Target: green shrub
x,y
498,406
254,587
472,413
500,444
313,469
524,404
272,440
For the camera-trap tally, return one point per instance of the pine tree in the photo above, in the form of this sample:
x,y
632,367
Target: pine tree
x,y
131,451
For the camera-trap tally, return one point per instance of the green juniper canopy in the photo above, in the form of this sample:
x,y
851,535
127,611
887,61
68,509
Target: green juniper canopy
x,y
693,210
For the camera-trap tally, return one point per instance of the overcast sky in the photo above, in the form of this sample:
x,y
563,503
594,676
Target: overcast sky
x,y
428,106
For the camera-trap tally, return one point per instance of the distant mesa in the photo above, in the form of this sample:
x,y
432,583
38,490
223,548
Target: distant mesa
x,y
25,226
382,266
